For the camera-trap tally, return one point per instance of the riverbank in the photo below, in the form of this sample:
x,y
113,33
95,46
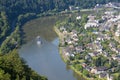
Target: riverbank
x,y
61,36
60,39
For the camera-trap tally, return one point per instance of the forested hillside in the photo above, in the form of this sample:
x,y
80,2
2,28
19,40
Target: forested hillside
x,y
16,7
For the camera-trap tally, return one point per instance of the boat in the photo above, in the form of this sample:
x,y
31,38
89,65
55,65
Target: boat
x,y
39,42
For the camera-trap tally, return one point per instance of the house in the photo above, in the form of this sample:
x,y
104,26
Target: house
x,y
114,57
95,32
93,70
74,32
109,77
118,50
112,45
90,46
88,57
91,54
72,55
102,75
117,33
75,38
95,53
78,17
66,51
118,57
107,36
71,47
110,4
107,26
71,8
98,6
91,24
88,68
69,41
84,65
109,12
98,47
105,54
98,70
100,37
104,27
79,49
62,28
91,17
65,32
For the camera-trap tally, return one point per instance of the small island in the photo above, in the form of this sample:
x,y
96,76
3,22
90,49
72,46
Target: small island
x,y
90,43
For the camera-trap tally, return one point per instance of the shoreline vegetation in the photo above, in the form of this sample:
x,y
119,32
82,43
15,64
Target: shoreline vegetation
x,y
62,56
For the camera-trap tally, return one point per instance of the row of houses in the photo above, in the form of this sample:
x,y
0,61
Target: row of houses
x,y
100,71
108,5
113,5
91,22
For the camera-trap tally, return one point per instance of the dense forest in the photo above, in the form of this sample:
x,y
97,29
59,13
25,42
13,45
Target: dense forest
x,y
13,14
16,7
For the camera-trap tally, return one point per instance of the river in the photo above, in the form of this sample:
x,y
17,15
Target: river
x,y
45,59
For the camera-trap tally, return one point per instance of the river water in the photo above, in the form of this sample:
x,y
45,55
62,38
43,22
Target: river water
x,y
45,60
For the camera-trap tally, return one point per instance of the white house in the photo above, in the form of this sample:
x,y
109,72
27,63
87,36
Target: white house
x,y
78,17
91,25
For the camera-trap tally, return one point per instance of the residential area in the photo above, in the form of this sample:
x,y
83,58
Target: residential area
x,y
90,43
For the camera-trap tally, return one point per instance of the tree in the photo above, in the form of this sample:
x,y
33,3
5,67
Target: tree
x,y
117,77
79,67
86,73
4,76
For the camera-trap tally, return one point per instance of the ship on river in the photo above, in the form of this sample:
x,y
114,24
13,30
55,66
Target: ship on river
x,y
39,42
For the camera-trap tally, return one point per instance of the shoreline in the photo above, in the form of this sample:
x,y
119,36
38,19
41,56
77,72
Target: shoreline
x,y
60,52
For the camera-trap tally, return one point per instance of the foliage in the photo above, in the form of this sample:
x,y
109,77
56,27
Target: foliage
x,y
15,7
11,42
86,73
79,67
117,77
4,28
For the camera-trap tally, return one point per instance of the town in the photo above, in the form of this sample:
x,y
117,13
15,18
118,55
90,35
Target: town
x,y
90,43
